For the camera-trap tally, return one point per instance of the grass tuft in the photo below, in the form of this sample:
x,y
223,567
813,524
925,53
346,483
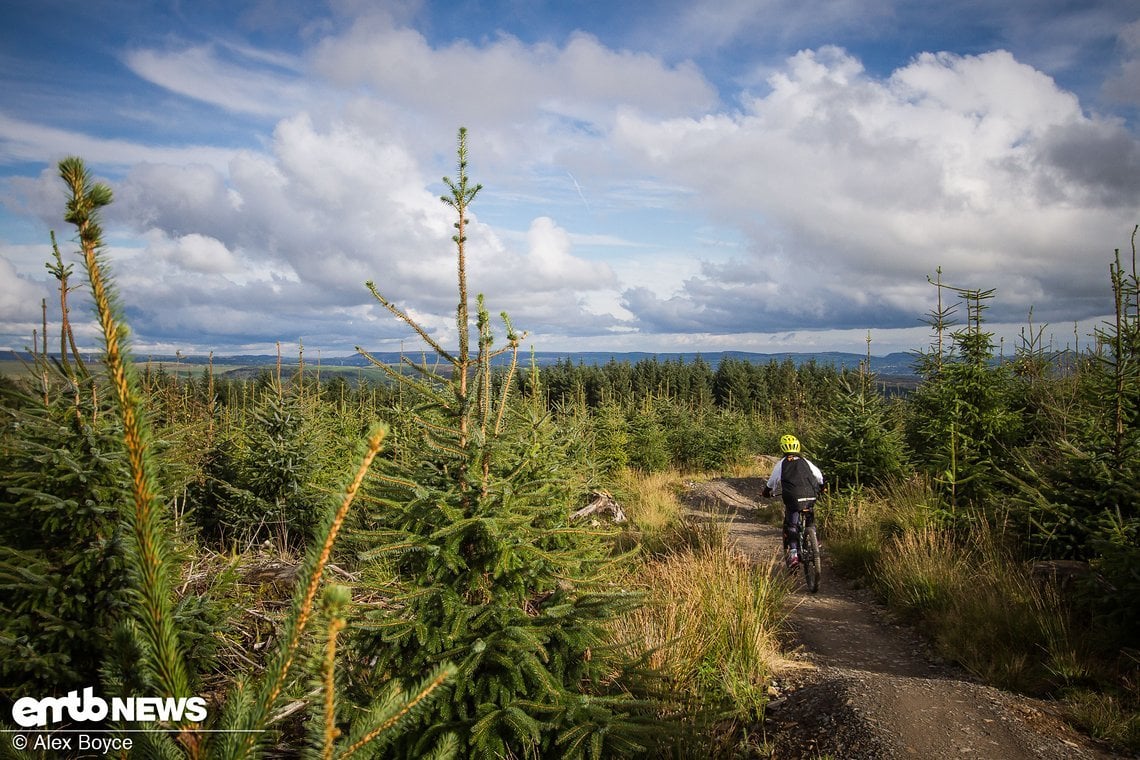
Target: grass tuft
x,y
923,573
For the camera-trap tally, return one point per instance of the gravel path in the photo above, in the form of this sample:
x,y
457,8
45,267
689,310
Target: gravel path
x,y
867,688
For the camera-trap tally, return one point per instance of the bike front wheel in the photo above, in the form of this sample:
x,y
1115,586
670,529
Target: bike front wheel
x,y
809,558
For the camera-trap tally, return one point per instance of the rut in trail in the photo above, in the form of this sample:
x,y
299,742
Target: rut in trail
x,y
866,688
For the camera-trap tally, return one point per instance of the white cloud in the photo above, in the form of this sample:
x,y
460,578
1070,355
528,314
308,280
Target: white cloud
x,y
19,298
526,102
550,265
296,233
199,72
615,178
194,253
24,141
853,185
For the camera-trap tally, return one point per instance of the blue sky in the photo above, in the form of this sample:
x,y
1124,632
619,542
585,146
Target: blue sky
x,y
658,176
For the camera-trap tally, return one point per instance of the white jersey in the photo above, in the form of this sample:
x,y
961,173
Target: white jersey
x,y
778,471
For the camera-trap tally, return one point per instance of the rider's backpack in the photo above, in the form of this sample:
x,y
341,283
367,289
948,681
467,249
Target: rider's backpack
x,y
797,479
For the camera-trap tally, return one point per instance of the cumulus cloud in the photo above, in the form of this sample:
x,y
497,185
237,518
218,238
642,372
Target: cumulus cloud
x,y
976,163
528,103
549,265
507,79
194,253
295,234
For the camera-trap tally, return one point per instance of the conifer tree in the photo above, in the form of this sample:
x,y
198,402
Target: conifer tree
x,y
1082,499
648,447
611,438
962,416
861,444
731,385
62,590
260,480
471,532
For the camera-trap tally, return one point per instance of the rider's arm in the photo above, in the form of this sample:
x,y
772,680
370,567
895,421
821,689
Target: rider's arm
x,y
774,480
816,472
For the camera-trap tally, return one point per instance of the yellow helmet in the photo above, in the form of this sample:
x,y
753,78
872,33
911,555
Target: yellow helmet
x,y
789,444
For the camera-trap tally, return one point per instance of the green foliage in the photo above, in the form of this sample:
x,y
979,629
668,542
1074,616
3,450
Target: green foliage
x,y
611,439
648,442
704,440
1082,498
1117,546
1045,451
653,415
777,388
733,385
147,544
962,418
470,528
861,442
143,652
261,477
63,481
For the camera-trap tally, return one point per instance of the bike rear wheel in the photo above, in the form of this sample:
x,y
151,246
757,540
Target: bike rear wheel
x,y
809,558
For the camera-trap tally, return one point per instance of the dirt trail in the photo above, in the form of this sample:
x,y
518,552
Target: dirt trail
x,y
868,689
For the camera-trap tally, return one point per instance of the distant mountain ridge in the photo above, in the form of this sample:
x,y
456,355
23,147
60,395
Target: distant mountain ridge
x,y
899,364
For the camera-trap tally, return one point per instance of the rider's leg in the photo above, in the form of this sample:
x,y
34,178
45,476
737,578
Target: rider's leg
x,y
791,531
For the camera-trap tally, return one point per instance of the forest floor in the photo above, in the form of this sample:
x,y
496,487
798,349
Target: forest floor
x,y
858,685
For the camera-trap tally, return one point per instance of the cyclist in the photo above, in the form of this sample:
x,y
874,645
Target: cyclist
x,y
802,483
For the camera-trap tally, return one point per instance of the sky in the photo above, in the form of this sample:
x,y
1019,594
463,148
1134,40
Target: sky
x,y
659,175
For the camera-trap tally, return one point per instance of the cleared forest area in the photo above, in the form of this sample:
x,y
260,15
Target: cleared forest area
x,y
393,569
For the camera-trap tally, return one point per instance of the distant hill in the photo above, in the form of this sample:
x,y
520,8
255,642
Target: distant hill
x,y
893,365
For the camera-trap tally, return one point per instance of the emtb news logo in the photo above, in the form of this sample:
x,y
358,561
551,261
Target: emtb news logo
x,y
30,712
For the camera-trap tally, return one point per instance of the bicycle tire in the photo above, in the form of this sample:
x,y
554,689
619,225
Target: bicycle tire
x,y
809,558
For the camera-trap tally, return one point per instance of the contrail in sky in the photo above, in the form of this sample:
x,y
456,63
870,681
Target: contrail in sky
x,y
579,189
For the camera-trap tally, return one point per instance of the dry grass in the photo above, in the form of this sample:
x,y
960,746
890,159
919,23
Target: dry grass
x,y
712,626
1106,716
713,617
712,621
651,500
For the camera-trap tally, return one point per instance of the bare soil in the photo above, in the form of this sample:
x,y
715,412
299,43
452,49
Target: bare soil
x,y
860,686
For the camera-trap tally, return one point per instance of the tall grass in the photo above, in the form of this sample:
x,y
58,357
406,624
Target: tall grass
x,y
713,618
650,500
959,580
657,524
922,573
712,625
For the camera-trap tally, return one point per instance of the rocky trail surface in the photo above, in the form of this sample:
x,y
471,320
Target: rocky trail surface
x,y
867,688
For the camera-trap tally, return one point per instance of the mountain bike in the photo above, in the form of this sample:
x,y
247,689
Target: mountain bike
x,y
809,547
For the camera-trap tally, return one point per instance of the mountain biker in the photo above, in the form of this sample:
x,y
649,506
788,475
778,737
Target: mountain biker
x,y
802,483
